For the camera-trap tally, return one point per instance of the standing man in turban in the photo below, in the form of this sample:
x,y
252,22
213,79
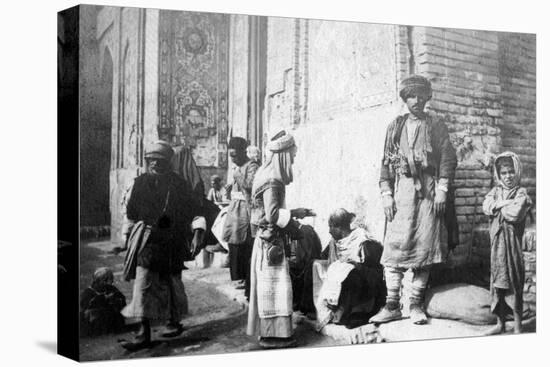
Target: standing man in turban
x,y
238,232
165,230
417,170
270,307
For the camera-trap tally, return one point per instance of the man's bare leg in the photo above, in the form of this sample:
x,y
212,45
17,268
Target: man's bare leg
x,y
144,332
500,327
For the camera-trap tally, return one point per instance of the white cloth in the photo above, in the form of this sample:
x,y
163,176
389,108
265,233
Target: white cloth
x,y
284,218
329,275
332,286
412,126
217,227
237,195
274,287
198,223
350,247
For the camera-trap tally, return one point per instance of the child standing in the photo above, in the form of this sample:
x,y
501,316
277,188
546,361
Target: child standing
x,y
507,205
217,192
254,154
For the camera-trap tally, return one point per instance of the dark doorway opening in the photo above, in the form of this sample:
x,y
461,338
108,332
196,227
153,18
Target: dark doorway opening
x,y
257,78
103,139
95,151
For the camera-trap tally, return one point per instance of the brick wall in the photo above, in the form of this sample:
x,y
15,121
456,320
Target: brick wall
x,y
485,91
530,259
463,66
517,70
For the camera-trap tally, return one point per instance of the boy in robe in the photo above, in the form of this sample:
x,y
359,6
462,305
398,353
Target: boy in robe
x,y
507,205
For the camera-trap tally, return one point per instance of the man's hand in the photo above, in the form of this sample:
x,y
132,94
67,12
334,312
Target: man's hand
x,y
440,202
350,261
118,249
389,207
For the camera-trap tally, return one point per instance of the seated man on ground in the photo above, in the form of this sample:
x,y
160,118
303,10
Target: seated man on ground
x,y
350,281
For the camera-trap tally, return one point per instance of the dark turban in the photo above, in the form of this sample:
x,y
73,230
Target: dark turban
x,y
415,85
238,143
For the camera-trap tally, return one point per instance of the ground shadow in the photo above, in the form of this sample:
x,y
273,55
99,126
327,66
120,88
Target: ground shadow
x,y
50,346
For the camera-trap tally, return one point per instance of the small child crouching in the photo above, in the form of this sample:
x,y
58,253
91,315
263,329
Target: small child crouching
x,y
100,305
507,205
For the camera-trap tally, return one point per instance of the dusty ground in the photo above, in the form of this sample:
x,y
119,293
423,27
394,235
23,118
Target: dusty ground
x,y
217,319
216,323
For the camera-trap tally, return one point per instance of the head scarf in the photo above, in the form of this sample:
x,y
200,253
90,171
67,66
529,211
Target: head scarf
x,y
415,84
278,162
517,168
184,165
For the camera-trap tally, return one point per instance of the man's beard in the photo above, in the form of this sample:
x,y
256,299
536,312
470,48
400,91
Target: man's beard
x,y
157,171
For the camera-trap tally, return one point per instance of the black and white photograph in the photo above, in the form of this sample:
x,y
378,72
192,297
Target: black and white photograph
x,y
275,184
257,182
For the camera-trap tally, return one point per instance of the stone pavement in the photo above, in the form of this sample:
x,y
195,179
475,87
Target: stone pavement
x,y
217,314
217,319
405,330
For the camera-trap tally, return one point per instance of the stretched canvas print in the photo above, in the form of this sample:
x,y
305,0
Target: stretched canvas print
x,y
243,182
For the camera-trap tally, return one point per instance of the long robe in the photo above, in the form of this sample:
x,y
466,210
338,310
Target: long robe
x,y
163,208
237,231
506,231
270,306
417,237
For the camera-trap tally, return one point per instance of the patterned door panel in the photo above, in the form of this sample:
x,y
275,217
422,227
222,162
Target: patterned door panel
x,y
193,66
